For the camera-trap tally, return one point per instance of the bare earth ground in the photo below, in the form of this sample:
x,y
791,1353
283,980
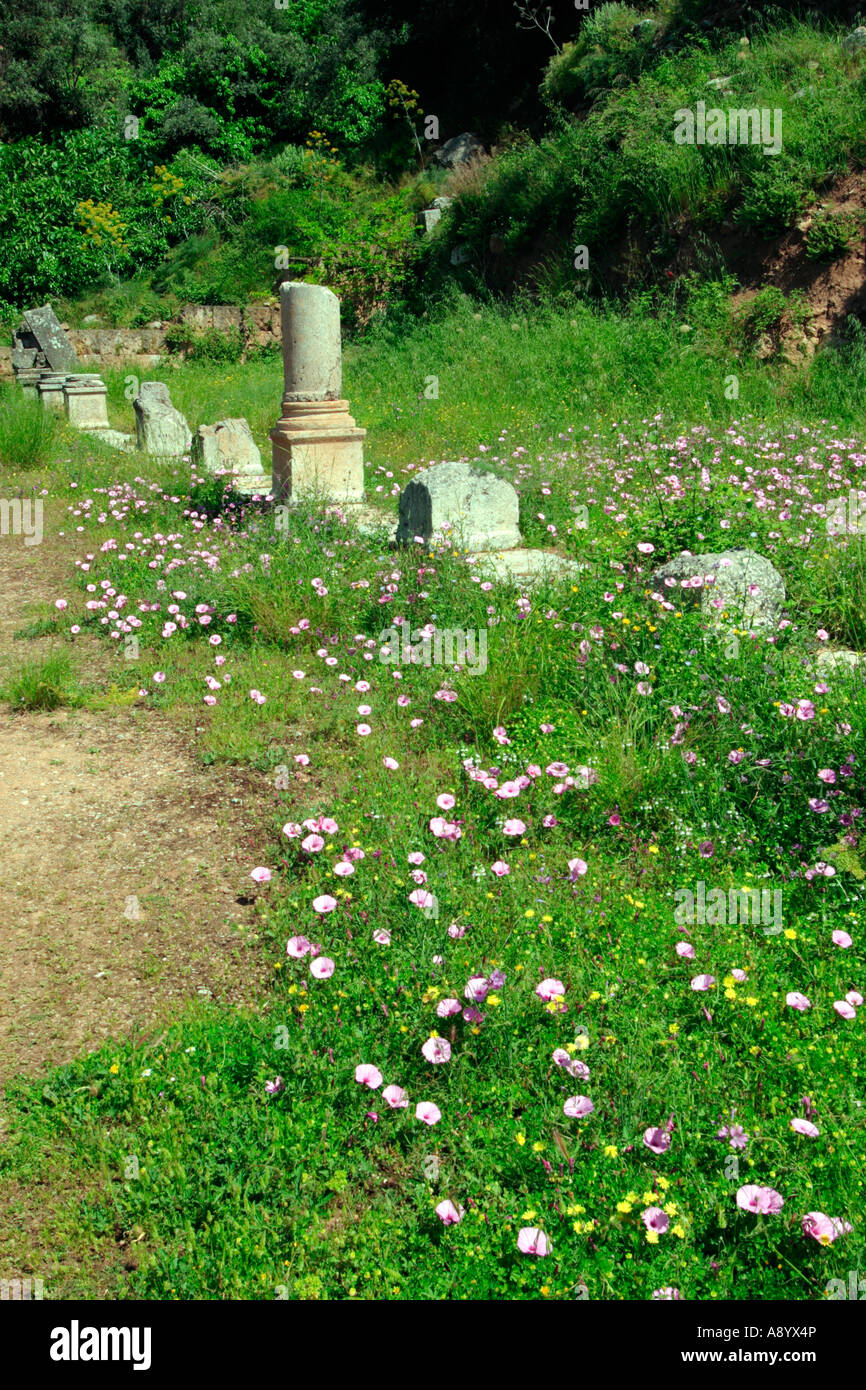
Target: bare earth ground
x,y
123,863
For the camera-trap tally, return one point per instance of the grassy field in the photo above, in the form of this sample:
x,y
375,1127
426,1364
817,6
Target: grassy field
x,y
471,893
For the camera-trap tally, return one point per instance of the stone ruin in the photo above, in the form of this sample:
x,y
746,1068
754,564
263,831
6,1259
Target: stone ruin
x,y
227,448
318,450
453,505
160,430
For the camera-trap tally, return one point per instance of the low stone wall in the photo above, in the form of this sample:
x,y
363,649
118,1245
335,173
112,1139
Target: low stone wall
x,y
144,348
107,347
259,323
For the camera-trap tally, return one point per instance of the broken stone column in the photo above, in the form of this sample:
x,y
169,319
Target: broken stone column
x,y
50,389
317,447
228,448
85,397
160,430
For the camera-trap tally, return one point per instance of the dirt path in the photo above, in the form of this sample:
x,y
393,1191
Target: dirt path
x,y
122,861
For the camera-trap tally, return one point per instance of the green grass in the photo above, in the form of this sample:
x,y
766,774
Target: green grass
x,y
43,684
28,431
234,1193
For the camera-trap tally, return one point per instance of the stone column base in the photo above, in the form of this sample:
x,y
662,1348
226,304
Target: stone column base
x,y
85,398
318,451
50,389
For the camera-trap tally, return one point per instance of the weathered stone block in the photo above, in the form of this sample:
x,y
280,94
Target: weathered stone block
x,y
456,504
85,400
160,429
736,587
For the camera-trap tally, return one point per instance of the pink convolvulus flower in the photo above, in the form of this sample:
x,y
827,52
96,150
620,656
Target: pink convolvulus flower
x,y
368,1075
550,989
577,868
261,875
655,1220
841,938
824,1229
572,1065
477,989
701,983
382,937
437,1050
448,1213
322,968
686,949
447,1008
657,1139
578,1106
297,947
531,1240
396,1097
420,897
324,903
763,1200
805,1127
797,1001
441,828
427,1112
514,827
274,1087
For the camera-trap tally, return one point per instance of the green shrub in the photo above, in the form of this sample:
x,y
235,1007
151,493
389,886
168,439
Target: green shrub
x,y
769,313
830,234
612,44
773,199
45,683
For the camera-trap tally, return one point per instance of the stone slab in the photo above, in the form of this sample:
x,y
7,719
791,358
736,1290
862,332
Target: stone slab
x,y
525,567
44,324
455,504
115,438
